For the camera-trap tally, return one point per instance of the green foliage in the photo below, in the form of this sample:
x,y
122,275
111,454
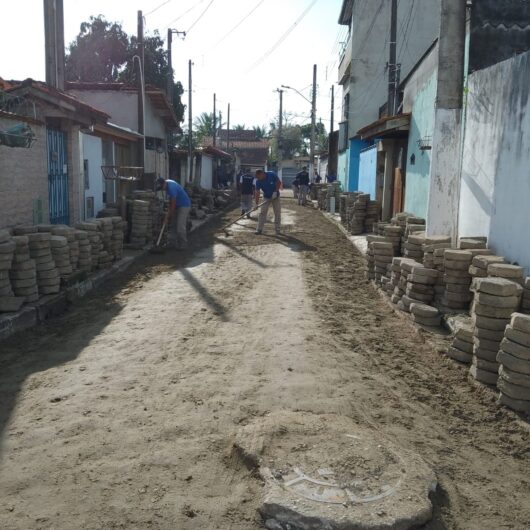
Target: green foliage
x,y
261,131
203,126
103,52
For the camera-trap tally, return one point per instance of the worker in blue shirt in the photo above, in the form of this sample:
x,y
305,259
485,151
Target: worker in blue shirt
x,y
270,184
178,212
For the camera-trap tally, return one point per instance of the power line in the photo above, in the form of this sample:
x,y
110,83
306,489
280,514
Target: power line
x,y
284,36
240,22
157,8
197,4
201,15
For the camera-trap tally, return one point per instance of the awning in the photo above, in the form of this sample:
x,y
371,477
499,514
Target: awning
x,y
391,126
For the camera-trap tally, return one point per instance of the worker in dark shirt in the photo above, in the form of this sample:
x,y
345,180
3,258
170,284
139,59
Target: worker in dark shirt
x,y
296,187
270,184
247,187
303,179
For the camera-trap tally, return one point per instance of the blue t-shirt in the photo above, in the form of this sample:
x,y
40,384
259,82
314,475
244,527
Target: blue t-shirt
x,y
176,191
268,184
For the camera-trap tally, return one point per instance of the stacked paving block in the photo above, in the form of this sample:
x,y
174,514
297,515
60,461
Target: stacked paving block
x,y
116,245
48,278
95,240
414,246
105,228
84,262
346,202
420,285
372,216
393,233
370,258
439,287
457,279
406,264
73,246
23,271
395,280
472,243
480,263
514,360
461,348
8,302
505,270
333,192
358,214
495,301
383,252
426,316
431,244
525,303
141,223
61,255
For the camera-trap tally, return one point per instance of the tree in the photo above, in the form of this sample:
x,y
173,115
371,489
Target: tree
x,y
261,131
239,127
203,125
103,52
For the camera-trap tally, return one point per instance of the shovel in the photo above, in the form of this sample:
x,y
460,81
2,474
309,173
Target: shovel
x,y
157,249
224,229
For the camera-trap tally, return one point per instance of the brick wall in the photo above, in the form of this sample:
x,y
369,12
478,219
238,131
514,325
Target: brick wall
x,y
23,179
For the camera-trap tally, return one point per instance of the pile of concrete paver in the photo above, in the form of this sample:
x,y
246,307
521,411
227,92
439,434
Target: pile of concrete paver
x,y
514,361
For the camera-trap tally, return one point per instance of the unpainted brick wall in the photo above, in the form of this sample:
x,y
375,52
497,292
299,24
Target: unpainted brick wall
x,y
23,178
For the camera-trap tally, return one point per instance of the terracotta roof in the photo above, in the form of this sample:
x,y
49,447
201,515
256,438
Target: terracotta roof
x,y
18,117
215,151
238,144
238,135
54,96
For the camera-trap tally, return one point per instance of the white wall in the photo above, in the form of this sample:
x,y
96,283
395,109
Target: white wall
x,y
92,151
495,190
206,172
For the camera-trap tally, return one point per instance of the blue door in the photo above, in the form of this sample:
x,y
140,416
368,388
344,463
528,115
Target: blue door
x,y
58,177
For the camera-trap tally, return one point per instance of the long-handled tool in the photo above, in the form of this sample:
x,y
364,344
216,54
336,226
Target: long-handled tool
x,y
224,229
157,249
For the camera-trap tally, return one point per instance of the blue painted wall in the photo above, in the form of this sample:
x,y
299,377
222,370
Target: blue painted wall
x,y
356,146
421,125
368,171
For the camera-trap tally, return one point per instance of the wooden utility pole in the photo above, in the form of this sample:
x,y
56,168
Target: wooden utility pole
x,y
313,123
190,124
392,63
280,137
331,144
214,132
220,130
332,117
54,42
141,90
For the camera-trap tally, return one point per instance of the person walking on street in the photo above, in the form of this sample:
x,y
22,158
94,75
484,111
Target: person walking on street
x,y
247,188
303,179
178,212
270,184
296,187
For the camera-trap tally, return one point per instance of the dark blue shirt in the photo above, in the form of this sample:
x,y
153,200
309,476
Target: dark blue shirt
x,y
177,192
303,178
247,184
268,184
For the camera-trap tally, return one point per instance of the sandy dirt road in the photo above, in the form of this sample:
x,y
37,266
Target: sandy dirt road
x,y
122,413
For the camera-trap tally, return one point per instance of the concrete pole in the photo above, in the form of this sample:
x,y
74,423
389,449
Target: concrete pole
x,y
190,124
141,91
313,123
280,133
391,110
444,186
214,132
169,88
54,42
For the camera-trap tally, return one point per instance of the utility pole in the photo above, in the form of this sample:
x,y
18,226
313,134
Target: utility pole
x,y
54,42
190,124
141,91
313,120
228,129
220,130
392,63
280,137
169,88
332,117
214,120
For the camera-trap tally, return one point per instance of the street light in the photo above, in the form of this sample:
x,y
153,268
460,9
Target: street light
x,y
313,119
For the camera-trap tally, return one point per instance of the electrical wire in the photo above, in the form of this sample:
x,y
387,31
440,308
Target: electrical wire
x,y
240,22
200,16
283,37
197,4
157,8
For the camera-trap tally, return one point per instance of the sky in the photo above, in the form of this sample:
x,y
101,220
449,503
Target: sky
x,y
243,50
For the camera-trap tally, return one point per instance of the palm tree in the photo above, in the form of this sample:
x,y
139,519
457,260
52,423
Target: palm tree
x,y
261,131
239,127
203,125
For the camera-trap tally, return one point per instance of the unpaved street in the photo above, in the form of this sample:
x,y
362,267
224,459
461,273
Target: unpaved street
x,y
123,412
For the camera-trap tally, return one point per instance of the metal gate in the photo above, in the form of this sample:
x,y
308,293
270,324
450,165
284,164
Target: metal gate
x,y
58,177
